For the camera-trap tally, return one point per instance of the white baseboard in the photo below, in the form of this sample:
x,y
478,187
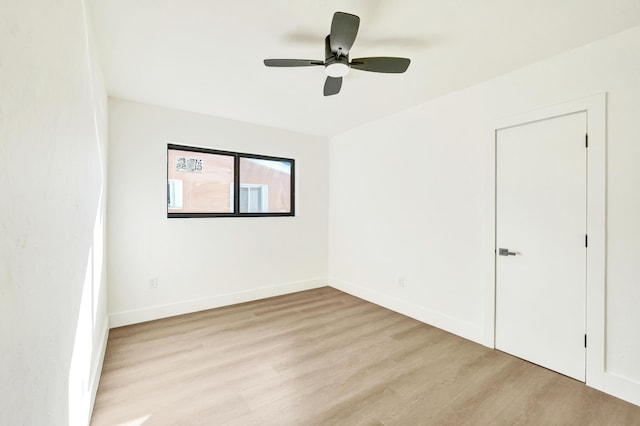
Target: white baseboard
x,y
622,388
437,319
118,319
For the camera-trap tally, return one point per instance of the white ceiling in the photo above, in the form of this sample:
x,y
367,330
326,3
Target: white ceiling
x,y
206,55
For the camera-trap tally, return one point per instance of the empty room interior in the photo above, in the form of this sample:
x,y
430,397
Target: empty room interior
x,y
339,212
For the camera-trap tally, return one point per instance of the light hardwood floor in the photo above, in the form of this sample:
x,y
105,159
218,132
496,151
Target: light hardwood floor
x,y
322,357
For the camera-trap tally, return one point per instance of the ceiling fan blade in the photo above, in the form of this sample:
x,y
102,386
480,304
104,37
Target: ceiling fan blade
x,y
291,62
381,64
344,29
332,85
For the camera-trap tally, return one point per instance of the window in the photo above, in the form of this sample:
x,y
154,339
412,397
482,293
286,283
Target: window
x,y
202,183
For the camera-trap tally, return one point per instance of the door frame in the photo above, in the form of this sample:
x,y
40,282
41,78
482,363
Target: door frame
x,y
595,108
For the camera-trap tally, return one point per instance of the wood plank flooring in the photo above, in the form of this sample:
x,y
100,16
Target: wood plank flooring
x,y
322,357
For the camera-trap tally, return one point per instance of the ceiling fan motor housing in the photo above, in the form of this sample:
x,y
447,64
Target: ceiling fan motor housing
x,y
336,63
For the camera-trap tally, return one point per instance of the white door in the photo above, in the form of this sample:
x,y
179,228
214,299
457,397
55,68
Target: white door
x,y
541,221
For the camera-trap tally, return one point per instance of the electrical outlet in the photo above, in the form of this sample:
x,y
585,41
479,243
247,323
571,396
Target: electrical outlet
x,y
153,283
401,282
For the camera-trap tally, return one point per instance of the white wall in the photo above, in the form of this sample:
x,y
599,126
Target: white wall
x,y
53,320
202,263
409,197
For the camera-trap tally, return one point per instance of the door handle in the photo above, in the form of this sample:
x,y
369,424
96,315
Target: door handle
x,y
506,252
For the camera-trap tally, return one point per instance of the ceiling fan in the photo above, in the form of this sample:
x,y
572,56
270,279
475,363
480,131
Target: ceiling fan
x,y
337,45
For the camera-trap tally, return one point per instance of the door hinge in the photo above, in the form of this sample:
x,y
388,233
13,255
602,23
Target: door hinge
x,y
585,340
586,140
586,240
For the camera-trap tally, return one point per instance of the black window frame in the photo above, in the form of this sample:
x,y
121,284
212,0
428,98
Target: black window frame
x,y
236,182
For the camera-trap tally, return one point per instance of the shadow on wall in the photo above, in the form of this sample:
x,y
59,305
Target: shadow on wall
x,y
91,333
89,343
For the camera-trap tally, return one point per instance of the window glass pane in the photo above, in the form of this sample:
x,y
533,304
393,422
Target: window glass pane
x,y
268,186
199,182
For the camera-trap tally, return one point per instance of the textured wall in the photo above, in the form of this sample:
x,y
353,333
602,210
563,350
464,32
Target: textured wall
x,y
52,180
